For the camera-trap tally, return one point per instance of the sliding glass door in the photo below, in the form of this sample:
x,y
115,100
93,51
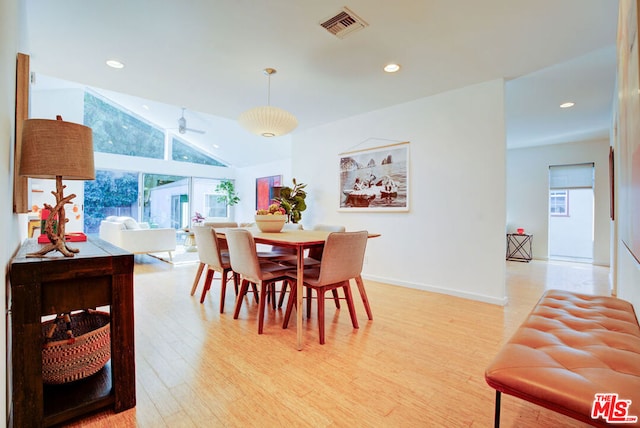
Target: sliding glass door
x,y
158,199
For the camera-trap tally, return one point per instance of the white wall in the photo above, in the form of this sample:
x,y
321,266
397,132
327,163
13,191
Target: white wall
x,y
11,17
452,239
528,192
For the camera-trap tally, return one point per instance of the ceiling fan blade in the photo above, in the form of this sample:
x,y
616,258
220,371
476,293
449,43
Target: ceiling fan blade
x,y
198,131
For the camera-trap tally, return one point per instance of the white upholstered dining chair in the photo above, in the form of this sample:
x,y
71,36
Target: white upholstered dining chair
x,y
210,256
244,261
221,244
342,260
312,259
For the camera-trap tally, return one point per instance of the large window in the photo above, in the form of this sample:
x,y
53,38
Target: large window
x,y
183,152
158,199
118,132
206,199
111,193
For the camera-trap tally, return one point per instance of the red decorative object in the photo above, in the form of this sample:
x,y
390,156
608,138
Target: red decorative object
x,y
520,230
68,237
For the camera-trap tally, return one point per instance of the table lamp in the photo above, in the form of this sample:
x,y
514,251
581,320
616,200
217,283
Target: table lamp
x,y
57,149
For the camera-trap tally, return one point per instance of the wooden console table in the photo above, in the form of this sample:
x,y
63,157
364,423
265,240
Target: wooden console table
x,y
100,275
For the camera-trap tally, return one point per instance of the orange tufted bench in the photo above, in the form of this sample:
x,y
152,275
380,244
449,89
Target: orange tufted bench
x,y
570,348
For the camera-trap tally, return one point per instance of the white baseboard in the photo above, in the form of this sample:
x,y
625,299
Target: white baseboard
x,y
440,290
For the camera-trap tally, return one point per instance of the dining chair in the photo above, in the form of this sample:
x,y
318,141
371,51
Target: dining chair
x,y
281,253
221,243
244,261
342,260
316,254
313,258
210,256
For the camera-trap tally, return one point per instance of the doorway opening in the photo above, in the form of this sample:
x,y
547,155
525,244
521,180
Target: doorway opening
x,y
571,212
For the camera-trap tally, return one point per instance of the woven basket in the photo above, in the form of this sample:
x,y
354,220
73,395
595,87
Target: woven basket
x,y
67,359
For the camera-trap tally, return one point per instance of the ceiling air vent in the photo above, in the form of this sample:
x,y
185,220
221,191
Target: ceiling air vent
x,y
343,23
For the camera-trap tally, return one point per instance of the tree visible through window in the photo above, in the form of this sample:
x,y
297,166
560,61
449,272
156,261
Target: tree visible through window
x,y
115,131
111,193
182,152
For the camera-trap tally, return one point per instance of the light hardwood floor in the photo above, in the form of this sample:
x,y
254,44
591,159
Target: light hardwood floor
x,y
419,363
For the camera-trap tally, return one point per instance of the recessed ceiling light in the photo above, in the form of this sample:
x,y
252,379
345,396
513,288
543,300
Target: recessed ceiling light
x,y
114,63
215,146
391,68
567,104
144,106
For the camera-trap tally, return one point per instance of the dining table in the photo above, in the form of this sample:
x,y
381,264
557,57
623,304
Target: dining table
x,y
300,240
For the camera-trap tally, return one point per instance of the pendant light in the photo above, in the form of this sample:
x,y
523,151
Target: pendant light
x,y
268,121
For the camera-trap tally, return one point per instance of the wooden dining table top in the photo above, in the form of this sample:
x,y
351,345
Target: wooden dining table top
x,y
289,238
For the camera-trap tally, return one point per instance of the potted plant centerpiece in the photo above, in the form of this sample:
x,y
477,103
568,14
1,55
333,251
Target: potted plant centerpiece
x,y
292,200
271,219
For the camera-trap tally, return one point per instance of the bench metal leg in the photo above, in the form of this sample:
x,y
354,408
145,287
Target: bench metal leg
x,y
496,418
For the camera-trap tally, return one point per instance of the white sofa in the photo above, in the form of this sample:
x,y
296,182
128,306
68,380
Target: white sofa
x,y
137,238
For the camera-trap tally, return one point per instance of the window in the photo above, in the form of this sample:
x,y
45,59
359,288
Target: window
x,y
111,193
182,152
118,132
559,202
214,208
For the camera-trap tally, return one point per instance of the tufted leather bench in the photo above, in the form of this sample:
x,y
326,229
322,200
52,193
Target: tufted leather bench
x,y
570,348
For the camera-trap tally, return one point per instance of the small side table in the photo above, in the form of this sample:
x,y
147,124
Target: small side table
x,y
519,247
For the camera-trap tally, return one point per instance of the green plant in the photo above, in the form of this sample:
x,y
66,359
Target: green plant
x,y
228,190
292,200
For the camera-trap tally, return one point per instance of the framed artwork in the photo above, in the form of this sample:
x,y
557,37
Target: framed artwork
x,y
612,185
375,179
20,184
266,190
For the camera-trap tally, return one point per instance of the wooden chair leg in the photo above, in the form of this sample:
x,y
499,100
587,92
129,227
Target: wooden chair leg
x,y
264,292
236,282
336,298
290,304
243,290
363,294
255,292
272,295
350,305
283,291
223,288
207,284
309,298
197,278
320,298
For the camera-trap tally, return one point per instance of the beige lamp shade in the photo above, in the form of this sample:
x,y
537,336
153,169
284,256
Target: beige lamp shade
x,y
268,121
54,148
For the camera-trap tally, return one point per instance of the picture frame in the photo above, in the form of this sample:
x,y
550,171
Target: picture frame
x,y
611,185
375,179
20,184
267,188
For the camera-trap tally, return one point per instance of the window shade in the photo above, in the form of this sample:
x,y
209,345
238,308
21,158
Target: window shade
x,y
579,176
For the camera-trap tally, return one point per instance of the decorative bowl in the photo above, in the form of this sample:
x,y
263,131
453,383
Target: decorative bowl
x,y
270,222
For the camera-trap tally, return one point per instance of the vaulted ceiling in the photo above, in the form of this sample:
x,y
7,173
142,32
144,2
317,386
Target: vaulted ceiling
x,y
208,56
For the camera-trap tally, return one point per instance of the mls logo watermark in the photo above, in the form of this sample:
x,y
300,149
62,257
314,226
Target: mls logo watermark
x,y
612,409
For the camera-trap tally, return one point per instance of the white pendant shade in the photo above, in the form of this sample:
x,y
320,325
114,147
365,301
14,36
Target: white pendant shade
x,y
268,121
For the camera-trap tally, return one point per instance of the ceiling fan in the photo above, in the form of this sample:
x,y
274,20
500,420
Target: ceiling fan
x,y
182,125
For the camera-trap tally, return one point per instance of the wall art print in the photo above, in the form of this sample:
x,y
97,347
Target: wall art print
x,y
375,179
266,190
